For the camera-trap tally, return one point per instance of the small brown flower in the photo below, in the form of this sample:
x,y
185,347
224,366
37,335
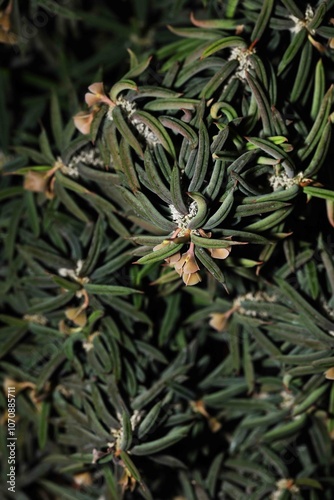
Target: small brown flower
x,y
187,267
191,279
35,181
186,264
329,374
6,35
19,386
39,182
319,46
127,481
219,321
77,315
173,259
220,253
83,479
198,407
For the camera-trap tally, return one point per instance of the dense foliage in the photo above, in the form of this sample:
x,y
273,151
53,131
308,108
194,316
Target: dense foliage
x,y
167,271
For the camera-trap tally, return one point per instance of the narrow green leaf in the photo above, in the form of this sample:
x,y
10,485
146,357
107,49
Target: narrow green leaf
x,y
171,315
49,368
10,336
318,127
59,491
43,424
130,466
209,264
111,481
56,121
153,214
176,191
247,209
117,88
180,127
46,148
309,400
126,432
202,159
293,9
223,43
171,438
109,289
302,305
297,42
70,184
213,474
318,16
212,190
262,20
214,243
319,89
156,127
128,165
171,103
94,249
218,80
149,421
284,431
36,156
69,203
151,352
162,253
217,218
263,105
217,399
247,363
66,284
325,194
204,34
321,152
198,220
148,240
279,195
245,466
270,221
54,8
125,131
154,177
303,73
189,70
264,342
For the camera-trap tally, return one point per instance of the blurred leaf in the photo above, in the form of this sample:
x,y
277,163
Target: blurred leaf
x,y
171,438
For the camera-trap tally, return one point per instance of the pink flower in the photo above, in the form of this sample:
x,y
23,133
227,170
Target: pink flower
x,y
96,95
83,121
